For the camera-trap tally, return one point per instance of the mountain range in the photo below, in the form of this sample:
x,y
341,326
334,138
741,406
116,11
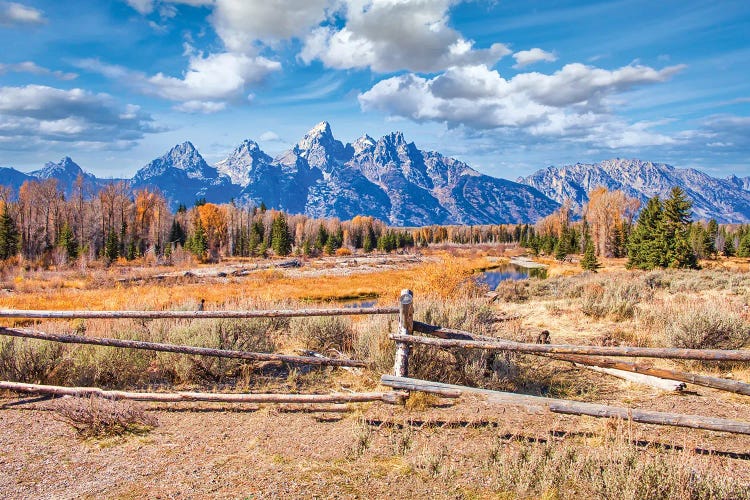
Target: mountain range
x,y
393,180
726,200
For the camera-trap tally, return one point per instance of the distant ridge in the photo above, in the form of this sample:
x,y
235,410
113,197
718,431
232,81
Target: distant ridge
x,y
393,180
726,200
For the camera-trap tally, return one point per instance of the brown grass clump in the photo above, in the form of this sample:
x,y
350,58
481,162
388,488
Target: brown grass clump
x,y
449,278
699,323
324,333
615,298
95,417
616,469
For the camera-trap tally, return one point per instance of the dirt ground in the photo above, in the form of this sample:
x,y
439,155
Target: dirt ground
x,y
368,451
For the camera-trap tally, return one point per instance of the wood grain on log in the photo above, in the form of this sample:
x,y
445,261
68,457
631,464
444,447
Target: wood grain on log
x,y
174,397
180,349
644,352
576,407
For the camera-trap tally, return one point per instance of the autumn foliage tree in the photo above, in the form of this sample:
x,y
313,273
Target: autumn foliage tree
x,y
609,215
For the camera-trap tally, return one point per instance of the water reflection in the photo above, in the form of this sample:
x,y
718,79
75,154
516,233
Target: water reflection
x,y
360,304
496,276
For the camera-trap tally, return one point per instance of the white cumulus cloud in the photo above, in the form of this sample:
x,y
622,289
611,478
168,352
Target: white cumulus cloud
x,y
570,103
240,23
269,136
42,114
16,13
207,84
526,57
392,35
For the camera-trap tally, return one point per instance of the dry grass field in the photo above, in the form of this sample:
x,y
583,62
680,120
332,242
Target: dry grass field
x,y
441,448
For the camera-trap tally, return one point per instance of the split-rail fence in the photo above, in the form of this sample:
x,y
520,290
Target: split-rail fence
x,y
410,332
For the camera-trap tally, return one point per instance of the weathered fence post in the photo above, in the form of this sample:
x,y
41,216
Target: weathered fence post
x,y
405,327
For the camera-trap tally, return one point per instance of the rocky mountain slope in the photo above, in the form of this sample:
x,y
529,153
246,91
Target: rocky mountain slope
x,y
392,179
183,176
726,200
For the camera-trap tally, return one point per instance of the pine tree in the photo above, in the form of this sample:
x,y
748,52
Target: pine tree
x,y
647,246
280,241
367,244
676,227
8,235
197,243
66,240
743,249
112,247
177,234
589,262
560,251
712,233
728,249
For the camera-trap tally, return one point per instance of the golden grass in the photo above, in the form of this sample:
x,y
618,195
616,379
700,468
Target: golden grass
x,y
52,291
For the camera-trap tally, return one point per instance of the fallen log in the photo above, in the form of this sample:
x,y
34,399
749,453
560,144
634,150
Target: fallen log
x,y
637,378
393,397
280,313
575,407
721,384
179,349
643,352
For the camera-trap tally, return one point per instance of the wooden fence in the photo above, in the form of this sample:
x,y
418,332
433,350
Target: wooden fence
x,y
399,382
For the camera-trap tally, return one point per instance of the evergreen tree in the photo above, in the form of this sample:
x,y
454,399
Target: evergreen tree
x,y
712,234
743,250
197,243
177,234
321,239
560,251
112,247
589,261
367,243
676,227
647,246
66,240
728,249
280,240
8,235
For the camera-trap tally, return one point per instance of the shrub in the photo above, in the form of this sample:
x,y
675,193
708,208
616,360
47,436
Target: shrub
x,y
29,360
702,324
614,298
98,417
323,333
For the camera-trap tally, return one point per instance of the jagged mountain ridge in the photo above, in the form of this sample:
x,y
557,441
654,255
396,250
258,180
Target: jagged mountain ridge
x,y
66,172
183,176
726,200
393,180
390,179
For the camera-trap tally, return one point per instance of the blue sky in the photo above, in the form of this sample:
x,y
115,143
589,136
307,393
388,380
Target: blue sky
x,y
507,86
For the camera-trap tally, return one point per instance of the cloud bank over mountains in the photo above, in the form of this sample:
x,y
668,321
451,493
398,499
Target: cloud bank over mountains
x,y
479,71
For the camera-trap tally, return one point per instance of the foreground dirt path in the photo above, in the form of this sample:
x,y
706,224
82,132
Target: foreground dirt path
x,y
376,451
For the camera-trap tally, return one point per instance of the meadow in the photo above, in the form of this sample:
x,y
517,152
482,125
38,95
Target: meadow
x,y
461,449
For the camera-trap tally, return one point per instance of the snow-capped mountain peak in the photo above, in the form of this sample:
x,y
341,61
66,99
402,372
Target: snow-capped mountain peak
x,y
240,164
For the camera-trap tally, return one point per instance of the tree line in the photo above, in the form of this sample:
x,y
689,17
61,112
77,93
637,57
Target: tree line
x,y
43,224
662,235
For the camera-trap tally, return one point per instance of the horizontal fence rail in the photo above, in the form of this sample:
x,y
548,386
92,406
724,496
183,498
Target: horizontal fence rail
x,y
571,407
722,384
635,352
176,397
179,349
280,313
